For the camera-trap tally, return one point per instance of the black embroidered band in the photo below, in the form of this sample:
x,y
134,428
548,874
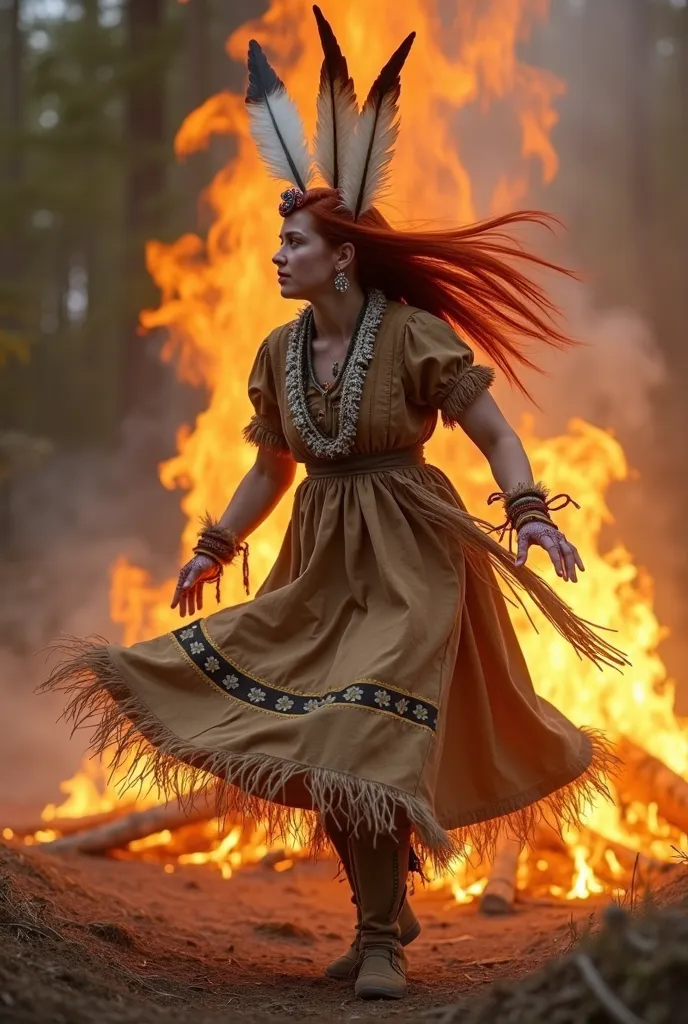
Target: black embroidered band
x,y
202,652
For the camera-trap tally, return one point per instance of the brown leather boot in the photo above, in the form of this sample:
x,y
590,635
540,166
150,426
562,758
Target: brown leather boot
x,y
345,967
379,873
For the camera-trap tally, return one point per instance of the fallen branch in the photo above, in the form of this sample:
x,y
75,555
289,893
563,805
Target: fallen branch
x,y
116,835
70,826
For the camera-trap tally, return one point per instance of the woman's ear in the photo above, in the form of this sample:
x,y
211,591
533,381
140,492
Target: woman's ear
x,y
347,253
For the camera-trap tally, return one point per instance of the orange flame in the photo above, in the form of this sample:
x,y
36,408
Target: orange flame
x,y
219,299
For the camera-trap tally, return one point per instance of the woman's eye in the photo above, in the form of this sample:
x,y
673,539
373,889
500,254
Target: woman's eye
x,y
293,242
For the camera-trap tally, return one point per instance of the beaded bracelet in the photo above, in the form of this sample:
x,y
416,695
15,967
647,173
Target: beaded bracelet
x,y
222,546
527,503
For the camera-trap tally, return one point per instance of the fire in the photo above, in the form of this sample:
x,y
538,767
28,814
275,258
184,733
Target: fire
x,y
219,299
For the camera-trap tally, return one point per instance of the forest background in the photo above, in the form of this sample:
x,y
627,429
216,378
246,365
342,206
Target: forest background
x,y
92,94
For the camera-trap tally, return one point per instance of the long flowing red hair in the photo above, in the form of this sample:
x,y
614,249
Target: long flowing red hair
x,y
466,276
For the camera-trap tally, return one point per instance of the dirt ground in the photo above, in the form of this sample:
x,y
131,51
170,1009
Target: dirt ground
x,y
85,939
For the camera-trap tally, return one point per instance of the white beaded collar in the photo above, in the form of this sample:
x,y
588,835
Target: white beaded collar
x,y
321,445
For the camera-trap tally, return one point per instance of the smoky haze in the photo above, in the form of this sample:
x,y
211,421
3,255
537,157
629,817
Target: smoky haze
x,y
77,512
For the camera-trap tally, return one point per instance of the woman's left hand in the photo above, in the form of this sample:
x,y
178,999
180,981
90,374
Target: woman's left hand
x,y
565,557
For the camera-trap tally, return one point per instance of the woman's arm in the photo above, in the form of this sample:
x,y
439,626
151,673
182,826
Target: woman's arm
x,y
258,493
486,426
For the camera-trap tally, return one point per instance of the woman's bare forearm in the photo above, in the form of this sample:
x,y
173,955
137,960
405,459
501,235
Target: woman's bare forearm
x,y
487,428
508,461
257,495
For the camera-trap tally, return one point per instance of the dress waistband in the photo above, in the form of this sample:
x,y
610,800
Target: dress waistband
x,y
396,458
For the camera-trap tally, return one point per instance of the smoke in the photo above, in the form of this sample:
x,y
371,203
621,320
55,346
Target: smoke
x,y
615,380
71,519
611,378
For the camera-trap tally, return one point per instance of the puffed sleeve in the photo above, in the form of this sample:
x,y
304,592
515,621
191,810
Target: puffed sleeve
x,y
265,426
438,367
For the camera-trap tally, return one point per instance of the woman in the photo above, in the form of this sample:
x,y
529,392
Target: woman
x,y
375,678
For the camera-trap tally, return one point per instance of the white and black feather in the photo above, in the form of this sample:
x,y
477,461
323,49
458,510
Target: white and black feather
x,y
366,171
275,122
337,108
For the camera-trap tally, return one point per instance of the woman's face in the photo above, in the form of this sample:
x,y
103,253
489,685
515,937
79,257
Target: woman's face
x,y
306,264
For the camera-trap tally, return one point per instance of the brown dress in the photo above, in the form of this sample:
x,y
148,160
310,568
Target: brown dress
x,y
376,670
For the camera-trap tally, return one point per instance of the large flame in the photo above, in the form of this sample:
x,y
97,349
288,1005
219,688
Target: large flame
x,y
219,299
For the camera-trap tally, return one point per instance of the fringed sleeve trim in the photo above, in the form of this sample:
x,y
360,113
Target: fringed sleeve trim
x,y
261,433
465,390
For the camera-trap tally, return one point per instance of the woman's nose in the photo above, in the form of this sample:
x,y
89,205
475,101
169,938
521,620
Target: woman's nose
x,y
278,258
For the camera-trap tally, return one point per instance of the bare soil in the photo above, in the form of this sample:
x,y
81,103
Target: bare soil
x,y
85,939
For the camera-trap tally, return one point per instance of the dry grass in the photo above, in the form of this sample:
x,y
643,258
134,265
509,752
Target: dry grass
x,y
631,970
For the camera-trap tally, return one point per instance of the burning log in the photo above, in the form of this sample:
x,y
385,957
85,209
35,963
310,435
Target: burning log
x,y
645,777
547,838
500,892
628,858
69,826
117,834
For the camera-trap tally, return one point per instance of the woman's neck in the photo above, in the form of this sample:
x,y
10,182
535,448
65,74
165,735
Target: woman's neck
x,y
335,314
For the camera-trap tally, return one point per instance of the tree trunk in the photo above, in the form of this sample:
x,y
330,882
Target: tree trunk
x,y
12,261
145,127
12,114
199,88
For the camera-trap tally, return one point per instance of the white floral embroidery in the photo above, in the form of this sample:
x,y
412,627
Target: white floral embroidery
x,y
330,699
186,634
311,705
402,706
256,695
382,698
211,664
231,682
284,704
351,388
196,648
353,693
420,712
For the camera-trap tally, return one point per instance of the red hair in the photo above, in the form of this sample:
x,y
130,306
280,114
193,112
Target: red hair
x,y
466,276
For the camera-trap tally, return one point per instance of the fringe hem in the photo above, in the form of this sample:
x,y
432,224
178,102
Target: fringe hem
x,y
130,737
261,433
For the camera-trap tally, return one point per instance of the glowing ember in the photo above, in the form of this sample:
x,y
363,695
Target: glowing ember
x,y
219,300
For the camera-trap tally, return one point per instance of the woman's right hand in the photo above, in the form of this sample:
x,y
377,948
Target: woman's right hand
x,y
189,593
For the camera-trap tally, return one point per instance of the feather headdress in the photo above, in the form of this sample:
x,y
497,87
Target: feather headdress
x,y
352,151
367,168
337,108
275,123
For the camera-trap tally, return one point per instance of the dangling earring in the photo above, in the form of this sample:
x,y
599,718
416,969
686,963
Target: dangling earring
x,y
341,281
